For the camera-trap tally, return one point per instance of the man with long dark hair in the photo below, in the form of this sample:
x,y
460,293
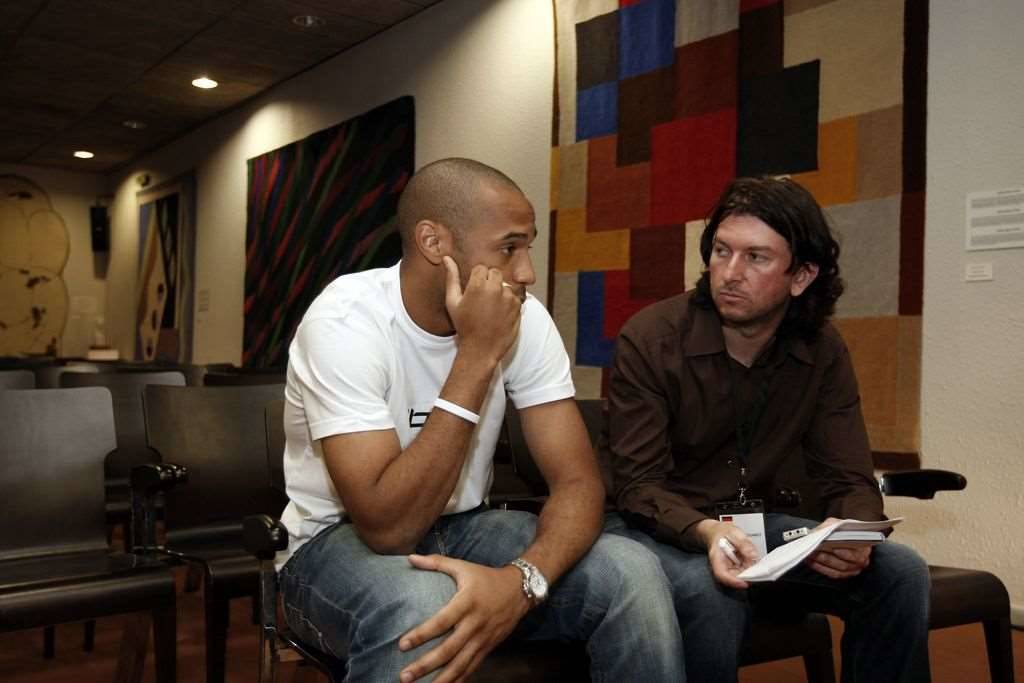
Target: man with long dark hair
x,y
710,393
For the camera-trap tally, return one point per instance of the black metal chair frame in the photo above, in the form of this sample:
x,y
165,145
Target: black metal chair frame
x,y
777,633
18,378
961,596
804,635
208,540
63,571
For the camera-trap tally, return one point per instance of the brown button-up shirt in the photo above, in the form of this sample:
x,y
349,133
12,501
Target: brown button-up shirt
x,y
675,397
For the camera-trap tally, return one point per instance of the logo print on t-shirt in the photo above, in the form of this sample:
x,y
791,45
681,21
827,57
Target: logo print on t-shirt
x,y
417,420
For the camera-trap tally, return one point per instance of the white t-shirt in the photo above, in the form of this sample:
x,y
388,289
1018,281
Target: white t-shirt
x,y
359,363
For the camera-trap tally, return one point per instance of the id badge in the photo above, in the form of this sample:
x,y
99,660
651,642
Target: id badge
x,y
748,517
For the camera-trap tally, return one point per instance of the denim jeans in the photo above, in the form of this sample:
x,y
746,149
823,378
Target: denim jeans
x,y
342,597
885,609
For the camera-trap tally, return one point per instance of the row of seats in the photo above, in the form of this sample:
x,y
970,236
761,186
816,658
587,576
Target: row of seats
x,y
229,441
217,431
24,374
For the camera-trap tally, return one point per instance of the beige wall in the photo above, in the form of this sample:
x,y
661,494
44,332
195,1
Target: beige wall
x,y
972,417
482,77
71,195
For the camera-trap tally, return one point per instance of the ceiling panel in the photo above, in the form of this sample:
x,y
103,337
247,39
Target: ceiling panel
x,y
72,71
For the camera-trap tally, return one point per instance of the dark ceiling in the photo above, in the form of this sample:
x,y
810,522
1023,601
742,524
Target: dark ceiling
x,y
73,71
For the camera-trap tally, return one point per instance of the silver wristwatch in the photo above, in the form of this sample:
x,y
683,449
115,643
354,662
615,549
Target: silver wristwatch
x,y
535,586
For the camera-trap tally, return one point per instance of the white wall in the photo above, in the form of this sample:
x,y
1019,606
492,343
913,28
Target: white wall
x,y
71,195
481,74
973,366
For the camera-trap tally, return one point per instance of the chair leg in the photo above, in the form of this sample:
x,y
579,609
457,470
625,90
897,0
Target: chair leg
x,y
89,636
819,667
49,636
131,660
217,616
165,643
999,644
193,578
306,674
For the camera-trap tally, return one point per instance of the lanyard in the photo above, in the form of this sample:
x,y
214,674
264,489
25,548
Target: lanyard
x,y
746,424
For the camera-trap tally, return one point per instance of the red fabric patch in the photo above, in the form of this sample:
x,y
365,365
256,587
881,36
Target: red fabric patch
x,y
706,75
656,258
691,161
618,306
618,197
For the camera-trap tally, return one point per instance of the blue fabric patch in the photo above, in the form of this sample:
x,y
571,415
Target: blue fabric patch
x,y
597,111
592,348
647,32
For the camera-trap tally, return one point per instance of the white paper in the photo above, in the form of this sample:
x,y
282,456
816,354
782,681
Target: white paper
x,y
752,524
995,219
788,555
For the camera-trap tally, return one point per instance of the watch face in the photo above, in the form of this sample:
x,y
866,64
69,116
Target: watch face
x,y
538,586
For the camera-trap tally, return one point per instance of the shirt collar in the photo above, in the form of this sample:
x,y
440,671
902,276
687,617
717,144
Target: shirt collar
x,y
704,337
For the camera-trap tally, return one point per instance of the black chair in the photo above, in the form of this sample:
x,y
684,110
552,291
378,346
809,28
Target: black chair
x,y
264,536
274,423
512,662
961,596
25,362
55,566
233,377
194,374
217,433
17,379
126,389
48,376
776,633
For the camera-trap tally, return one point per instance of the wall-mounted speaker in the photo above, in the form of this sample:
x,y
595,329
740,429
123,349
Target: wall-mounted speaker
x,y
99,222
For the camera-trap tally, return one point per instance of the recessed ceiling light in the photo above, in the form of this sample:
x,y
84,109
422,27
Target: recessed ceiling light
x,y
134,124
204,83
307,21
82,154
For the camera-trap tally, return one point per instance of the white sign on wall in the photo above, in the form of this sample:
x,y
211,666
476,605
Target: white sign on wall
x,y
995,219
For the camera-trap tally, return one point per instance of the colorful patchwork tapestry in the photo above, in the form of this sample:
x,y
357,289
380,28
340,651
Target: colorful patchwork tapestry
x,y
319,208
166,272
660,103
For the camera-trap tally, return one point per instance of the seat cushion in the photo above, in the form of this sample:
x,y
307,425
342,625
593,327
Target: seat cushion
x,y
72,587
965,596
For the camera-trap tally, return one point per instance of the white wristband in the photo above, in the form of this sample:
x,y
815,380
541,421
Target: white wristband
x,y
457,410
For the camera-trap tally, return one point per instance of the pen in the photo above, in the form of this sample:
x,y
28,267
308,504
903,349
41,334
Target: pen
x,y
794,534
728,549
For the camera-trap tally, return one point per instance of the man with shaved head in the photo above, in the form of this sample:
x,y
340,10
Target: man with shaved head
x,y
397,384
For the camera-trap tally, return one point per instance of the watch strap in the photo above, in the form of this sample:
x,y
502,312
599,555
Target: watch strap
x,y
528,570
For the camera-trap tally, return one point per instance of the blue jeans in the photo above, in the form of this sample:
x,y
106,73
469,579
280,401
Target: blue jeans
x,y
885,609
342,597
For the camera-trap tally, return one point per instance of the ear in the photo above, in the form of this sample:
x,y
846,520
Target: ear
x,y
432,241
803,278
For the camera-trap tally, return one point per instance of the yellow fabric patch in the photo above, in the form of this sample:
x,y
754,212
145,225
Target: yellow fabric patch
x,y
576,249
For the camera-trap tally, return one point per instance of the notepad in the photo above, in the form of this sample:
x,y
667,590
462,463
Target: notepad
x,y
852,539
786,556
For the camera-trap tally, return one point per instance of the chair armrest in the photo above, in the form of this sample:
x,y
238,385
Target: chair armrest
x,y
920,483
149,479
147,483
264,536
